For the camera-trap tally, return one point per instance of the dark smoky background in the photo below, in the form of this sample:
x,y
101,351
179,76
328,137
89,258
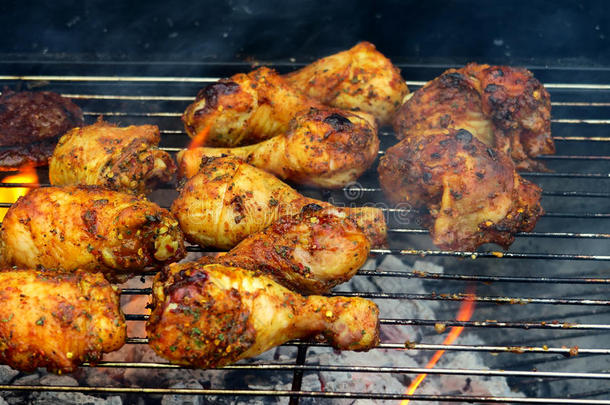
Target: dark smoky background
x,y
526,32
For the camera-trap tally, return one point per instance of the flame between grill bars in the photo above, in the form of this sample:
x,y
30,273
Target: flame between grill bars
x,y
535,303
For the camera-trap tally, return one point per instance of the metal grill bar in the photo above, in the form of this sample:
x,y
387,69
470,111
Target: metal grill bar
x,y
544,193
287,393
297,376
548,214
495,324
472,255
441,297
387,133
528,234
475,255
475,324
179,114
176,79
373,369
483,278
424,346
445,276
191,98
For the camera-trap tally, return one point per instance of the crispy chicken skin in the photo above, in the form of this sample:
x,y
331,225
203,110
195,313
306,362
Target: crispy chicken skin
x,y
360,78
325,148
229,200
472,192
89,228
30,124
309,253
124,159
209,315
57,320
244,109
504,107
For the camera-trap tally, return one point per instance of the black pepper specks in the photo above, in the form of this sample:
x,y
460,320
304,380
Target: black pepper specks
x,y
426,176
463,136
491,88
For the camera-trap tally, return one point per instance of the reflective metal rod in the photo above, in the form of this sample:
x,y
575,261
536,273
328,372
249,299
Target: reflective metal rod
x,y
494,324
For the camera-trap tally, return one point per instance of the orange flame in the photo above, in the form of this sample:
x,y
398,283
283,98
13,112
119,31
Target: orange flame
x,y
11,194
200,138
464,314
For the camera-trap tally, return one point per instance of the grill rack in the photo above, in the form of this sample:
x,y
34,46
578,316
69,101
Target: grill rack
x,y
547,258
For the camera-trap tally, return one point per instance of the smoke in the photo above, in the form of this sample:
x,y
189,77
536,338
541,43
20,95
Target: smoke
x,y
242,30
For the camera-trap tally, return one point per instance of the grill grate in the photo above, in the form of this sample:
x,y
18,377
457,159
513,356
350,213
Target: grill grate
x,y
559,270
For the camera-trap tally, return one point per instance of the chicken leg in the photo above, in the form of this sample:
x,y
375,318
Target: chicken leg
x,y
123,159
57,320
244,109
209,315
229,200
324,148
89,228
360,78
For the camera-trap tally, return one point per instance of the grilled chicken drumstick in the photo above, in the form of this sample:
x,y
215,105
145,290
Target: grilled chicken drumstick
x,y
209,315
249,108
360,78
245,109
89,228
504,107
57,320
229,200
310,252
472,192
325,148
124,159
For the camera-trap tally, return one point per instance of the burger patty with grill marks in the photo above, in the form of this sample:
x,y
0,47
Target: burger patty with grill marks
x,y
30,125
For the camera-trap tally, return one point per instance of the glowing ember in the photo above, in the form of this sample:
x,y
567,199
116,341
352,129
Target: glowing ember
x,y
199,139
464,314
11,194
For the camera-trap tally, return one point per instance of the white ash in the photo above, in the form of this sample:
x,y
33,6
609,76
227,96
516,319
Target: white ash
x,y
184,399
70,398
58,380
7,374
42,377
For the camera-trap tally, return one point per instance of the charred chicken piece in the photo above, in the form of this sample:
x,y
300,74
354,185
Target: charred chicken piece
x,y
89,228
57,320
30,124
229,200
325,148
472,192
209,315
310,252
124,159
244,109
360,78
504,107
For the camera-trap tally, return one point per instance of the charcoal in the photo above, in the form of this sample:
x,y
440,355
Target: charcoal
x,y
70,398
58,380
7,374
175,399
